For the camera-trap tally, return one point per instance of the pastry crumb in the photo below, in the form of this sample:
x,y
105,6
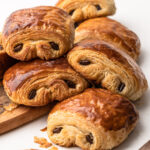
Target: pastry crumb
x,y
11,106
44,129
43,142
53,148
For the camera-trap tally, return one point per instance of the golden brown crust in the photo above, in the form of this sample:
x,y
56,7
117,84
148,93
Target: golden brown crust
x,y
94,119
102,107
5,60
33,17
84,9
15,76
110,31
112,66
35,28
39,82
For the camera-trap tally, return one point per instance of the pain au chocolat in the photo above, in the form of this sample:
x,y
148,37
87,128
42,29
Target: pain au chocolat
x,y
110,31
94,120
5,60
108,67
45,32
40,82
85,9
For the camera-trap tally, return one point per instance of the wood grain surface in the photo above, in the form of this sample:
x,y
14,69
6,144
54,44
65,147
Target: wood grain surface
x,y
21,115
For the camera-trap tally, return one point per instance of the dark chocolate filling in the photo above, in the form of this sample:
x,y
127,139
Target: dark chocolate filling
x,y
32,94
76,24
70,84
98,7
121,87
84,62
57,130
54,45
89,138
71,12
18,47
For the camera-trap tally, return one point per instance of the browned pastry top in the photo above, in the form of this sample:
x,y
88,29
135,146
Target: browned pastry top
x,y
115,55
109,30
15,76
102,107
36,17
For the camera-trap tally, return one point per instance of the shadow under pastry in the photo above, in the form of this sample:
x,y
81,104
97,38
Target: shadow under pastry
x,y
5,60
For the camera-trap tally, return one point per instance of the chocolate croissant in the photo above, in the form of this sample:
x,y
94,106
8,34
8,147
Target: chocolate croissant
x,y
85,9
108,67
94,120
110,31
44,32
5,60
39,82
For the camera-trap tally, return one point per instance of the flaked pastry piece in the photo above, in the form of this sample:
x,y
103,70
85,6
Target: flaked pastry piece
x,y
94,120
108,67
110,31
39,82
44,32
5,60
85,9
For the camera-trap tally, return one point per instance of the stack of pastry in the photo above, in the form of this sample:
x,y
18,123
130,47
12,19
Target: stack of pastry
x,y
64,50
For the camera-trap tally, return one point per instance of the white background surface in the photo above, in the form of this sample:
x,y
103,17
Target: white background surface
x,y
135,14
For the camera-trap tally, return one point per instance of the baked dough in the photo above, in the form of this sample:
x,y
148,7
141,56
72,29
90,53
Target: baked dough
x,y
5,60
44,32
85,9
110,31
94,120
108,67
40,82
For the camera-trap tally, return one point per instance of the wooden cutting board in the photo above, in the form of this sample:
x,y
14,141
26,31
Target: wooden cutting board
x,y
18,116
